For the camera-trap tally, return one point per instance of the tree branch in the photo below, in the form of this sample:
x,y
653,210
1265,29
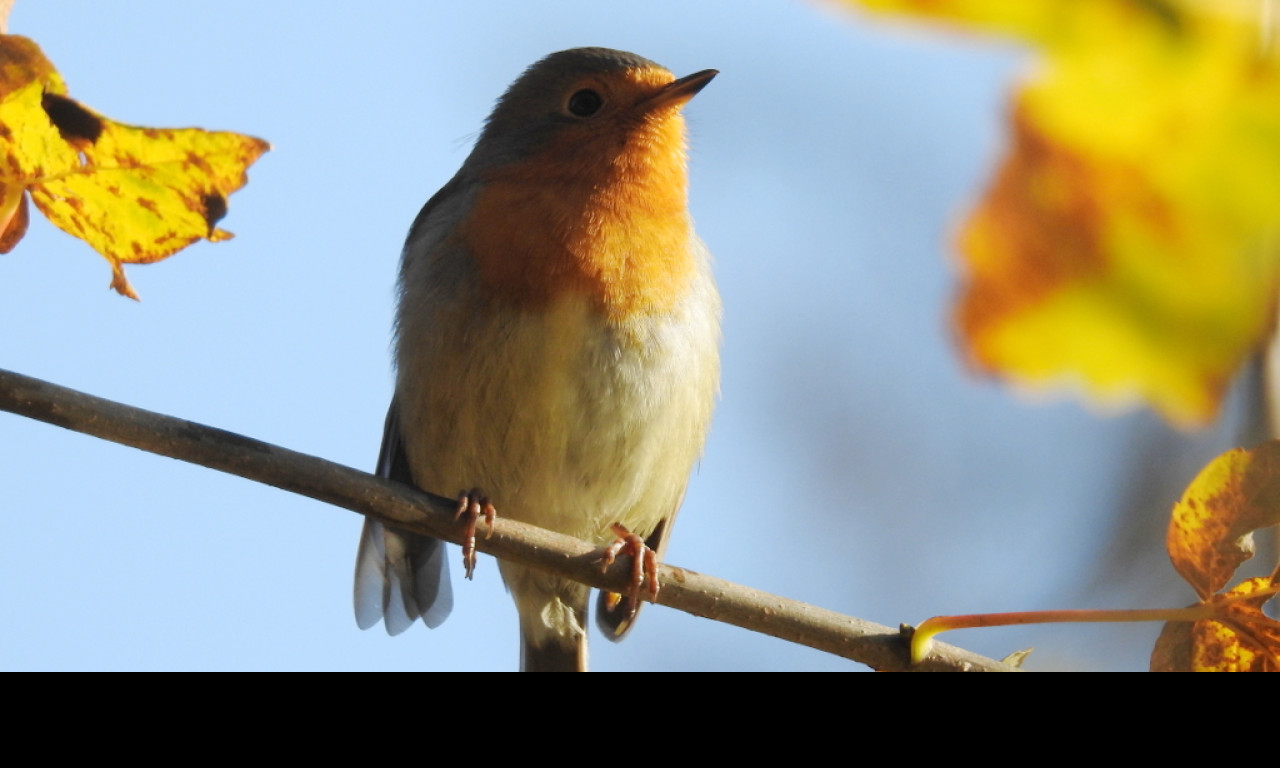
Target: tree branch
x,y
399,505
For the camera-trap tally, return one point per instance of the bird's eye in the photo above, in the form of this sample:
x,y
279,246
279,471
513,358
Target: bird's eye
x,y
585,103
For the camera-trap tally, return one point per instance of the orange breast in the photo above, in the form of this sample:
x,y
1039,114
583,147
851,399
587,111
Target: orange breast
x,y
602,215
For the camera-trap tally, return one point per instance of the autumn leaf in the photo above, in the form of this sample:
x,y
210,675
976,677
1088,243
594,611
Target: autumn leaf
x,y
137,195
1128,242
1241,638
1211,530
1210,535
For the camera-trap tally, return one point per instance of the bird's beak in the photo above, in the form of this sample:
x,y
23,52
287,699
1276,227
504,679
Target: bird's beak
x,y
679,91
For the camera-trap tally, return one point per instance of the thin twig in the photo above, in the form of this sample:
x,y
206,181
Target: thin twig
x,y
877,646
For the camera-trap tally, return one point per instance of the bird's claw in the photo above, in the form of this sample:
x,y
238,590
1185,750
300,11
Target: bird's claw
x,y
473,504
644,566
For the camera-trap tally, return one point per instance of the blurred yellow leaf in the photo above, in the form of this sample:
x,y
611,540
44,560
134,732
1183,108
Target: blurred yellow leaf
x,y
1128,242
137,195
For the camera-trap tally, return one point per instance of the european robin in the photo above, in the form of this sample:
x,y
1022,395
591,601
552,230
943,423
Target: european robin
x,y
557,345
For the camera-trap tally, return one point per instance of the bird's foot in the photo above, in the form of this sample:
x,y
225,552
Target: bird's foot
x,y
474,504
644,568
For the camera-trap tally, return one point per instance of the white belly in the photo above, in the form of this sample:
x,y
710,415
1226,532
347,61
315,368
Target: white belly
x,y
563,421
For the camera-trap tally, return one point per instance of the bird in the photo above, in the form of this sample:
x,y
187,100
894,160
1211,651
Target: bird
x,y
557,344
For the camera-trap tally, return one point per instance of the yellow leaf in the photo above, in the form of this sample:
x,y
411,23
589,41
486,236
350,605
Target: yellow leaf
x,y
1240,639
30,147
1210,532
1210,535
137,195
13,216
1128,243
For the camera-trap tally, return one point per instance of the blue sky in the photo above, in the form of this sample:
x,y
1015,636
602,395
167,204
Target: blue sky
x,y
853,463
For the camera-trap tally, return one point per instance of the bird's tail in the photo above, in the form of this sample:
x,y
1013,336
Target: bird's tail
x,y
400,576
555,656
553,619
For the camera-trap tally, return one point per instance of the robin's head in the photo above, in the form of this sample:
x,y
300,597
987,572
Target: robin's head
x,y
578,108
582,185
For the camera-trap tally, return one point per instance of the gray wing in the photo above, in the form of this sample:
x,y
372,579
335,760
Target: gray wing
x,y
400,577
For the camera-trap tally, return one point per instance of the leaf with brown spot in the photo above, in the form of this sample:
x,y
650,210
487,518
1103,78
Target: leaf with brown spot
x,y
1211,529
1128,242
1210,535
137,195
1241,638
